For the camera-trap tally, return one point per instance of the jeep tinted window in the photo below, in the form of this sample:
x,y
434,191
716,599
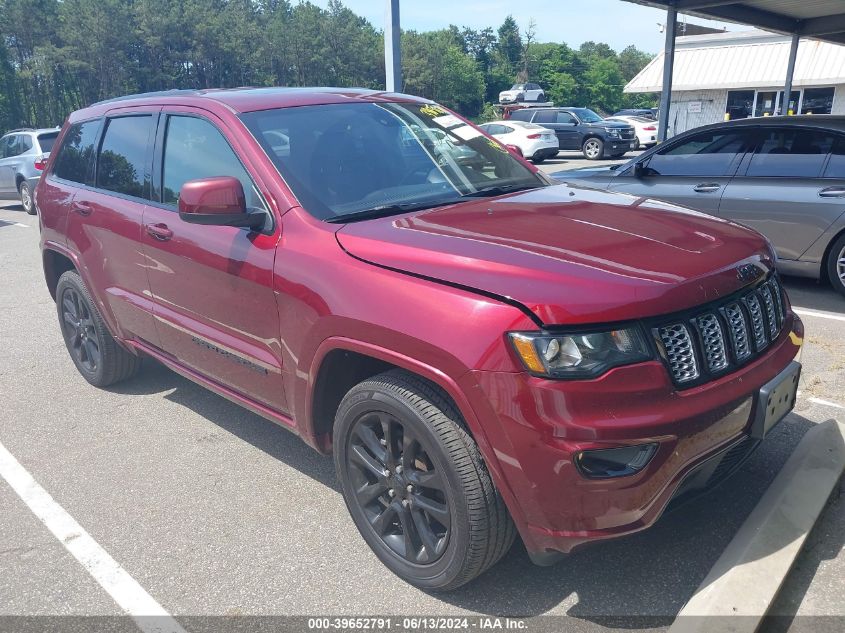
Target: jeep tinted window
x,y
123,155
194,148
76,152
705,154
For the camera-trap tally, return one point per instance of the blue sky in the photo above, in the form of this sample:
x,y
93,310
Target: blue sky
x,y
614,22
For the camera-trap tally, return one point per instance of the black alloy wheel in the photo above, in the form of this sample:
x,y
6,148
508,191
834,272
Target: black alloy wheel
x,y
96,354
401,493
415,483
80,333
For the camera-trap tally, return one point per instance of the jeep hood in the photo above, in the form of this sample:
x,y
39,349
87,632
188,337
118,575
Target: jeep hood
x,y
568,255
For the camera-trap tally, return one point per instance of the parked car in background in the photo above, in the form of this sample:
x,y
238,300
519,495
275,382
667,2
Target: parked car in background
x,y
648,113
783,176
23,156
522,92
645,129
582,129
536,142
484,353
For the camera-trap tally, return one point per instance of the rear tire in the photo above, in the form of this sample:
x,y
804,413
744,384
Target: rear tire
x,y
593,148
415,483
836,265
538,160
27,202
96,354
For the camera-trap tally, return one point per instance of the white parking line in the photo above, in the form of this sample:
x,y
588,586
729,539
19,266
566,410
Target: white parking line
x,y
117,582
826,403
818,313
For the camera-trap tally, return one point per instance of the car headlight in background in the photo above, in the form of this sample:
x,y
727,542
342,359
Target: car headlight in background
x,y
579,355
612,131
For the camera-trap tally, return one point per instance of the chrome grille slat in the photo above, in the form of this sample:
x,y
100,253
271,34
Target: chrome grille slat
x,y
713,342
758,327
738,330
771,316
725,335
679,351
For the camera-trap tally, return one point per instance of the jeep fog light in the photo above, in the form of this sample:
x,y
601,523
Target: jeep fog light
x,y
614,462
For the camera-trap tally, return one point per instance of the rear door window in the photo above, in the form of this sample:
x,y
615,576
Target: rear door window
x,y
121,163
24,143
76,152
790,152
546,116
705,154
836,165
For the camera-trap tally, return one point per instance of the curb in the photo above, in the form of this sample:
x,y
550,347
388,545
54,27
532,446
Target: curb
x,y
748,575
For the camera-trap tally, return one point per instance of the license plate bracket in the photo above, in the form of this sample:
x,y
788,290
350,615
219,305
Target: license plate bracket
x,y
775,399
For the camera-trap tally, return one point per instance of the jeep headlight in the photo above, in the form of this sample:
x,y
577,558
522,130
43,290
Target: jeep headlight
x,y
579,354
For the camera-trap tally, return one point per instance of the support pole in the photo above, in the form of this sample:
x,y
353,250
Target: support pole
x,y
668,64
392,48
790,72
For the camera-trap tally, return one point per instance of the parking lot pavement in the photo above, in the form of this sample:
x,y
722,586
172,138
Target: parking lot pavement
x,y
213,510
576,160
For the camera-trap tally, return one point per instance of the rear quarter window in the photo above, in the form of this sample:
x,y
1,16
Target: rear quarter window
x,y
795,153
76,152
46,141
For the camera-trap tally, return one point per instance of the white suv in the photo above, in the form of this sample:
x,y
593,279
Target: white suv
x,y
23,155
522,92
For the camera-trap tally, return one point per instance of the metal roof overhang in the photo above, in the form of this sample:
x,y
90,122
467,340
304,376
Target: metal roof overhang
x,y
819,19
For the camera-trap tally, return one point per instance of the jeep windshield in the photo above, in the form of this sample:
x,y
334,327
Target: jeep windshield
x,y
344,159
586,115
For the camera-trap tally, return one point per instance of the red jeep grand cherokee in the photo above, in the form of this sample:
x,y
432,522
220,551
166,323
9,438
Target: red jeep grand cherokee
x,y
485,354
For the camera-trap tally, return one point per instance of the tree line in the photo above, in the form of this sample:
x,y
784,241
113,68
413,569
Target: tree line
x,y
60,55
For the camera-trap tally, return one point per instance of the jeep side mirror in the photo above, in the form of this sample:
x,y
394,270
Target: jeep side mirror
x,y
217,201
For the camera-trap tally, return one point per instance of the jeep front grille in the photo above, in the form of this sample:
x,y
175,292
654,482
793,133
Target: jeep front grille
x,y
722,336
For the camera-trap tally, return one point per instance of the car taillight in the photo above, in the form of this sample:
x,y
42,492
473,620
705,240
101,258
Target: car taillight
x,y
650,128
534,135
40,164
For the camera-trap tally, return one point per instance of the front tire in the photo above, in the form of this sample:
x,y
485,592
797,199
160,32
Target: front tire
x,y
27,202
836,265
593,148
537,160
96,354
415,483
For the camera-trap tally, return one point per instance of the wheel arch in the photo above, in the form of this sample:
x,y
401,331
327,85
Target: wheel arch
x,y
341,363
56,264
823,273
19,178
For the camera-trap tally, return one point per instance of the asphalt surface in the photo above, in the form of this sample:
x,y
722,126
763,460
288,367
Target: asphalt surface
x,y
215,511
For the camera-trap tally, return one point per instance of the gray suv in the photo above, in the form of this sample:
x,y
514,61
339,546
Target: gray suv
x,y
23,156
783,176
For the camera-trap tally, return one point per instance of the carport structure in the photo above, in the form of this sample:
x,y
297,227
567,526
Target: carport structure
x,y
818,19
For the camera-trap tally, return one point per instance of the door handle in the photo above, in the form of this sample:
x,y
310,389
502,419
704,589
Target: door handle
x,y
82,208
159,231
832,192
707,187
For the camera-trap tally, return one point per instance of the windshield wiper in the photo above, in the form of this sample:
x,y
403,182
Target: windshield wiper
x,y
387,210
498,190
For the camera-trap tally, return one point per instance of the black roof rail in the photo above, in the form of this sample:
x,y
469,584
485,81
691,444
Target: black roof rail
x,y
142,95
21,129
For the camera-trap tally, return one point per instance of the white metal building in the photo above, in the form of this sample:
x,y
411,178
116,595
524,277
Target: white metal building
x,y
741,74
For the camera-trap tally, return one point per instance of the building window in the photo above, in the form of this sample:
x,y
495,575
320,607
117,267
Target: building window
x,y
817,101
792,106
740,104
